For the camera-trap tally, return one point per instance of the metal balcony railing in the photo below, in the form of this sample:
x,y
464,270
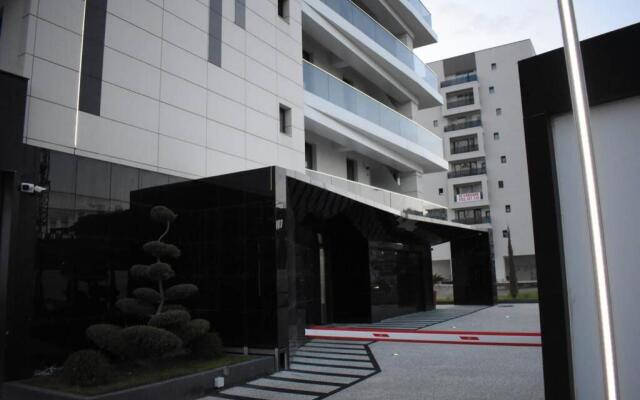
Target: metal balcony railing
x,y
370,27
334,90
462,125
464,148
460,103
459,79
467,172
473,220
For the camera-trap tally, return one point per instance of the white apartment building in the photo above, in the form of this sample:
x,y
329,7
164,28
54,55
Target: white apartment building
x,y
482,128
195,88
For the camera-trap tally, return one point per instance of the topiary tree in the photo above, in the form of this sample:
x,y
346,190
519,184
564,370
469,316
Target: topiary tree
x,y
169,328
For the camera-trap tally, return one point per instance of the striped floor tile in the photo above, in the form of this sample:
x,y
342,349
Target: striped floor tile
x,y
318,369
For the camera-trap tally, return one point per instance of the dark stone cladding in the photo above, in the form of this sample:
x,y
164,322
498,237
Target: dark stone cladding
x,y
95,19
611,73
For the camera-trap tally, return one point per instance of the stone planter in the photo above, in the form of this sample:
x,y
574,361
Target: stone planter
x,y
179,388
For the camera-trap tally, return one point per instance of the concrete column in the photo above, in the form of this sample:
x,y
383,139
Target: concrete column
x,y
408,109
407,40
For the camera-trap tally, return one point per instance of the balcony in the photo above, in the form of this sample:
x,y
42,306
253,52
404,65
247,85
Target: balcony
x,y
460,102
459,79
417,17
474,220
467,148
467,172
365,119
463,125
370,27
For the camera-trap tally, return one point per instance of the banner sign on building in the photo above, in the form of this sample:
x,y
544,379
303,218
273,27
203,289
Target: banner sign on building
x,y
465,197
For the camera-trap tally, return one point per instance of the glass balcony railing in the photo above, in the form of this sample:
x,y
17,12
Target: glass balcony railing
x,y
330,88
459,79
467,172
473,220
463,148
421,10
462,125
370,27
460,102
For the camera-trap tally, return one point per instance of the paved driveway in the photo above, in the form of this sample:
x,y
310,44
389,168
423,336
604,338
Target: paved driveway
x,y
459,372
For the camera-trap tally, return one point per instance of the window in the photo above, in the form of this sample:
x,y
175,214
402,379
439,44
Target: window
x,y
503,159
283,9
505,233
285,119
494,66
240,13
352,170
309,156
492,89
435,123
307,56
501,184
440,191
507,208
496,135
498,111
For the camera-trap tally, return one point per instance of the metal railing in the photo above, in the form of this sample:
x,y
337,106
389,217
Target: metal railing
x,y
334,90
459,79
473,220
462,125
461,102
457,149
467,172
372,28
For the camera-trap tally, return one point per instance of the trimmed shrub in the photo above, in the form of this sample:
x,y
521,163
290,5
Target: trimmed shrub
x,y
162,214
172,320
106,337
147,295
194,329
135,307
180,291
143,341
86,368
207,346
139,271
160,272
161,250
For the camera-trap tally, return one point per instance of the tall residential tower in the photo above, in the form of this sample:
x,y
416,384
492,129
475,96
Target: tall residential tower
x,y
481,125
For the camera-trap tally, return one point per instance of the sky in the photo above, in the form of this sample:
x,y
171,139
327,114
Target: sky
x,y
464,26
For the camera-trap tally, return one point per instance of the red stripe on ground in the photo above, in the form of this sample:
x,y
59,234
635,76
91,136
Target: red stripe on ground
x,y
453,332
432,341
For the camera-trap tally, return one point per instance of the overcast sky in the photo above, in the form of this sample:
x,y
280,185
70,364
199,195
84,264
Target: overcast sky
x,y
464,26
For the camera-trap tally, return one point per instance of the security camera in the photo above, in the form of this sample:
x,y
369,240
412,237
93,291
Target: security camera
x,y
30,188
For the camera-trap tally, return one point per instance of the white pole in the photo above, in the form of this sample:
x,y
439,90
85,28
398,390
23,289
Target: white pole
x,y
580,102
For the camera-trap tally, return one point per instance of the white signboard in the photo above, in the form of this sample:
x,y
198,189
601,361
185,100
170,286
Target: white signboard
x,y
465,197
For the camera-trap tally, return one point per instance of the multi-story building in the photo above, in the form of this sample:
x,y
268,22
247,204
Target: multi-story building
x,y
481,125
204,87
311,103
